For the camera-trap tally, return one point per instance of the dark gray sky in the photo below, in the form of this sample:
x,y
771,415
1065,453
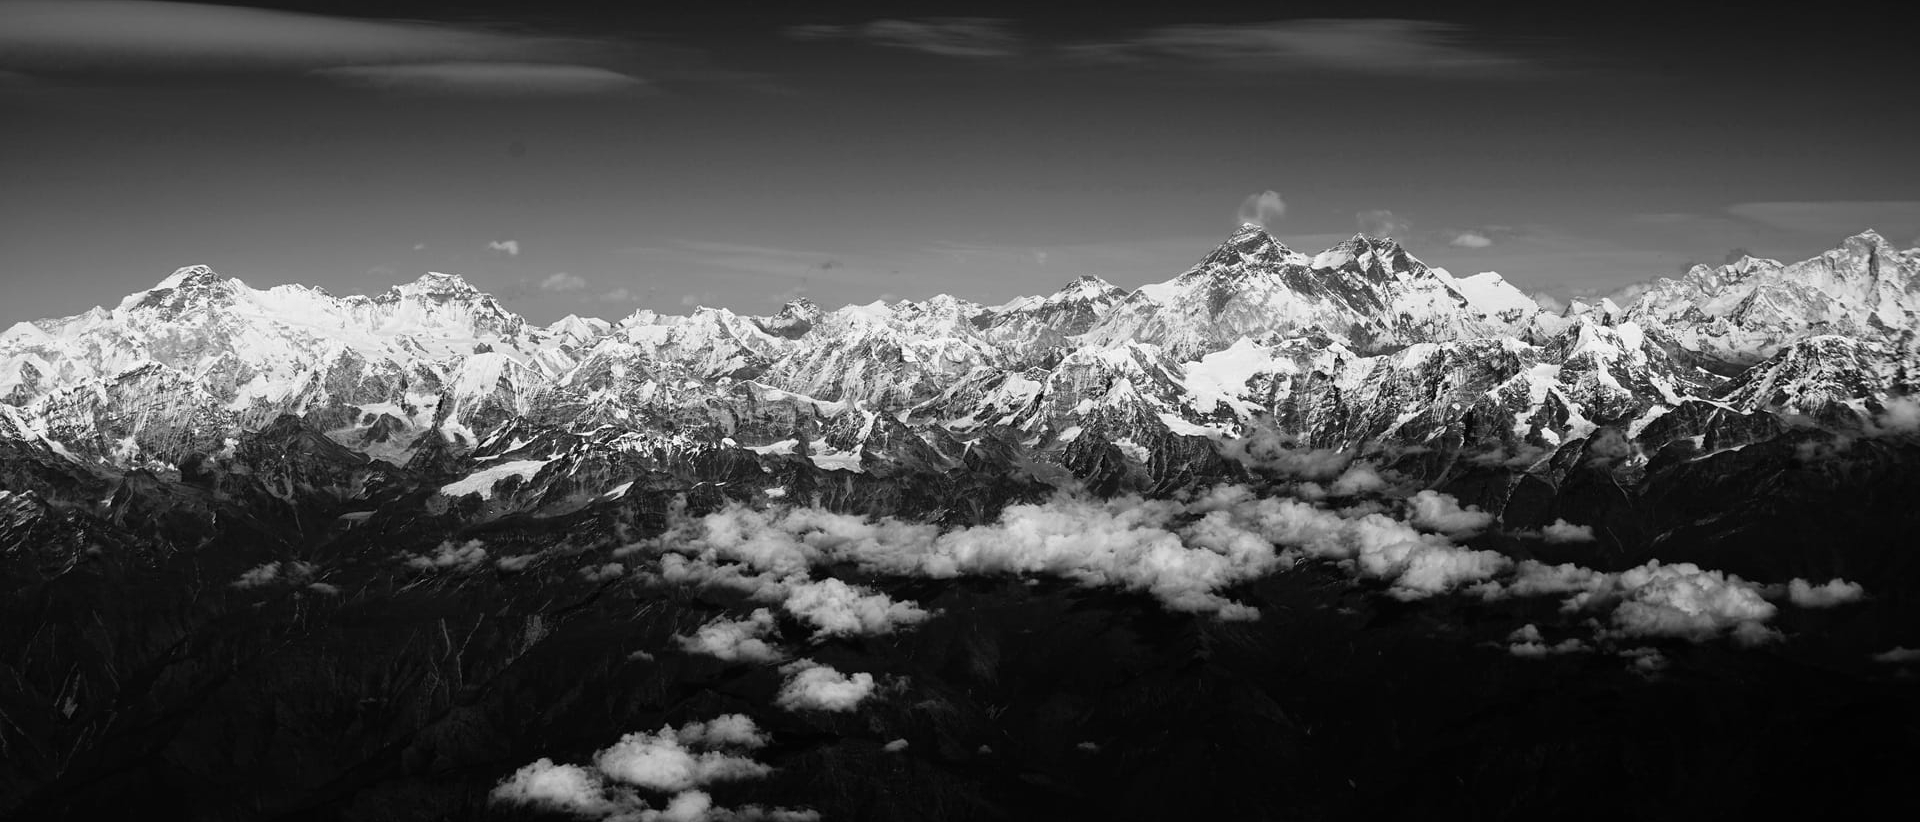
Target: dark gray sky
x,y
738,157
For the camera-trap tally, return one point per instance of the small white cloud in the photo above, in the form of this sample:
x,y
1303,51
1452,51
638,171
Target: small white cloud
x,y
1470,239
563,281
560,788
1562,532
419,246
812,686
1835,592
450,555
1898,415
677,763
1688,602
293,573
664,762
511,247
1439,512
1550,303
838,609
724,731
895,746
1897,655
1380,222
258,576
602,573
1263,209
735,640
618,295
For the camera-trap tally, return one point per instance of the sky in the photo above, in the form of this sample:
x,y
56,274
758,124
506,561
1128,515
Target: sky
x,y
599,158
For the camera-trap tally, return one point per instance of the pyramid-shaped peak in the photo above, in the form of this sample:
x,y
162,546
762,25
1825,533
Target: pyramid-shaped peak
x,y
436,282
1362,242
436,286
1249,242
189,289
189,276
1086,287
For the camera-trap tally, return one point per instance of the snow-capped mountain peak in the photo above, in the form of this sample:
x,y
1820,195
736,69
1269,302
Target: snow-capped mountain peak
x,y
194,288
1747,310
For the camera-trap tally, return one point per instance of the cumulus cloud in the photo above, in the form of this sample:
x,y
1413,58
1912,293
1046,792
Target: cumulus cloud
x,y
1898,415
563,281
602,573
813,686
1264,209
1687,602
1380,222
735,640
968,37
450,556
1470,239
665,762
835,608
1186,553
293,573
1359,478
1440,512
1278,454
678,763
1182,553
726,730
1834,592
510,247
546,786
1562,532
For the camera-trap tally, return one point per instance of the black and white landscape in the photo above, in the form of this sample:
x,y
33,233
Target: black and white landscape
x,y
1295,533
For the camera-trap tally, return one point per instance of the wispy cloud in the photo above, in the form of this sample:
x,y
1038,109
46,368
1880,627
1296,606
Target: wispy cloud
x,y
510,247
1355,46
563,281
138,37
1380,47
967,37
490,79
1470,239
1835,219
1380,222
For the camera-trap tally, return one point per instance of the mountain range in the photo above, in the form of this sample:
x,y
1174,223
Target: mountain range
x,y
1358,344
277,553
